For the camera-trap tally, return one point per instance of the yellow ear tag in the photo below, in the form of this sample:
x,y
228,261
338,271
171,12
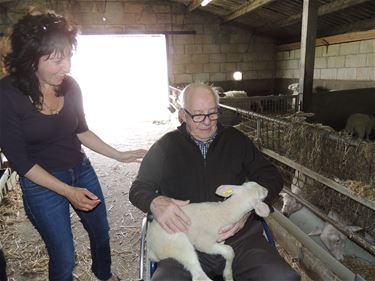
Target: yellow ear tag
x,y
228,192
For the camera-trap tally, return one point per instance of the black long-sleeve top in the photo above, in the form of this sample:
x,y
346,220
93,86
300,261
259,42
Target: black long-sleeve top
x,y
174,167
29,137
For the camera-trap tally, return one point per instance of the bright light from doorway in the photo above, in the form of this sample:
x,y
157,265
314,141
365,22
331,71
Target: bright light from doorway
x,y
123,78
205,2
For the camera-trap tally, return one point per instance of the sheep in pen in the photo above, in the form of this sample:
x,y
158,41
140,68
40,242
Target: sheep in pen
x,y
340,161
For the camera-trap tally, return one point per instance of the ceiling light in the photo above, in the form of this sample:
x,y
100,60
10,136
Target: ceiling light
x,y
237,75
205,2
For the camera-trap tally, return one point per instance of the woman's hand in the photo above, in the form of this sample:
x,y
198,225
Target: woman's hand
x,y
131,155
231,229
169,215
92,141
81,198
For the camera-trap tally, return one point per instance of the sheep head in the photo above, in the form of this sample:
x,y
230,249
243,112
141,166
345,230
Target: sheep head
x,y
293,86
252,191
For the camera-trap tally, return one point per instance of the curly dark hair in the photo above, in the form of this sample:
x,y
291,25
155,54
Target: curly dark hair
x,y
33,37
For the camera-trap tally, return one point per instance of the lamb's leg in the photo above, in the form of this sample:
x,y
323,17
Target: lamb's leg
x,y
182,251
361,132
368,132
186,255
227,252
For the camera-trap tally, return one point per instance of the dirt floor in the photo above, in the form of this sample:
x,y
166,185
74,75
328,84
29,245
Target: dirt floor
x,y
23,247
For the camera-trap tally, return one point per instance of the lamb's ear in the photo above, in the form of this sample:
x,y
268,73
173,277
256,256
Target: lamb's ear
x,y
225,190
353,228
261,208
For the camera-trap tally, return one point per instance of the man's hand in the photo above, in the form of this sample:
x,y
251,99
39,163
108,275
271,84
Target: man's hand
x,y
81,198
169,215
231,229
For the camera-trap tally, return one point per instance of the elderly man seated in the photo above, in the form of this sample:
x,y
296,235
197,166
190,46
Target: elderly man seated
x,y
186,166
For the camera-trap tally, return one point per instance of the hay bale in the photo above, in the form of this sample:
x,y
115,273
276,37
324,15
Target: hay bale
x,y
335,158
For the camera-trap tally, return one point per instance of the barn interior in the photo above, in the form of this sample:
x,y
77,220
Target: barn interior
x,y
303,67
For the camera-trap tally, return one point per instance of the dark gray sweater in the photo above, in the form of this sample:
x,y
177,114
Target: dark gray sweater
x,y
175,167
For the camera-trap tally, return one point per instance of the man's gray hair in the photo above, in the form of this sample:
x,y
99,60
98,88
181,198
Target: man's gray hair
x,y
191,87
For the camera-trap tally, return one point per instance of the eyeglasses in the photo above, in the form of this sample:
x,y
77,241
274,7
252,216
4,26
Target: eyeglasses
x,y
197,118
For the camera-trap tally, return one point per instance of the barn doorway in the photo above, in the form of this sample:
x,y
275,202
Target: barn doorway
x,y
124,80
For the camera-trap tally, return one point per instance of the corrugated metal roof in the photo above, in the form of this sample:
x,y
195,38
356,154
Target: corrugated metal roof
x,y
281,19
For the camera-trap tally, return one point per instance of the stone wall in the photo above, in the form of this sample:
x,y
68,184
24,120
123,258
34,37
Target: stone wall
x,y
199,47
340,66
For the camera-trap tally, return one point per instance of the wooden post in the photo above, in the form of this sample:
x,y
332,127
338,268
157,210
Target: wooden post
x,y
308,36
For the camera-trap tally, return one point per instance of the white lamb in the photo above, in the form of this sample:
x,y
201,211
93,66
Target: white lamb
x,y
295,92
294,88
207,219
360,125
299,182
235,94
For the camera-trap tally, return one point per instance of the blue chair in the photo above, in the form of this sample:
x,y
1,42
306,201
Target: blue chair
x,y
148,267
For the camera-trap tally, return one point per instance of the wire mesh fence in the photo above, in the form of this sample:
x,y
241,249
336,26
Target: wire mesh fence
x,y
342,170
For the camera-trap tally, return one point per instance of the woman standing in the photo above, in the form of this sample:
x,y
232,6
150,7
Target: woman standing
x,y
42,128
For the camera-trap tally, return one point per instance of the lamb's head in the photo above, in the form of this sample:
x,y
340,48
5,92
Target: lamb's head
x,y
293,86
250,191
290,205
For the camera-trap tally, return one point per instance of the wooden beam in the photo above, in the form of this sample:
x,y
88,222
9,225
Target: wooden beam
x,y
322,10
338,5
307,60
367,24
247,8
183,32
194,5
334,39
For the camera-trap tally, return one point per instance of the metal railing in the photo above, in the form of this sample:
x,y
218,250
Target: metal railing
x,y
330,152
8,177
279,138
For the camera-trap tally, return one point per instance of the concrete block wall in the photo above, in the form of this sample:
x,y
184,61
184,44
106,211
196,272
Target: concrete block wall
x,y
354,61
211,54
214,54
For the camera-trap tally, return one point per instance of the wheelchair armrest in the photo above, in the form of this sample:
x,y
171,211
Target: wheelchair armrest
x,y
142,248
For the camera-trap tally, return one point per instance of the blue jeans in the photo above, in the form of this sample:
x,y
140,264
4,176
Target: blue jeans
x,y
49,213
